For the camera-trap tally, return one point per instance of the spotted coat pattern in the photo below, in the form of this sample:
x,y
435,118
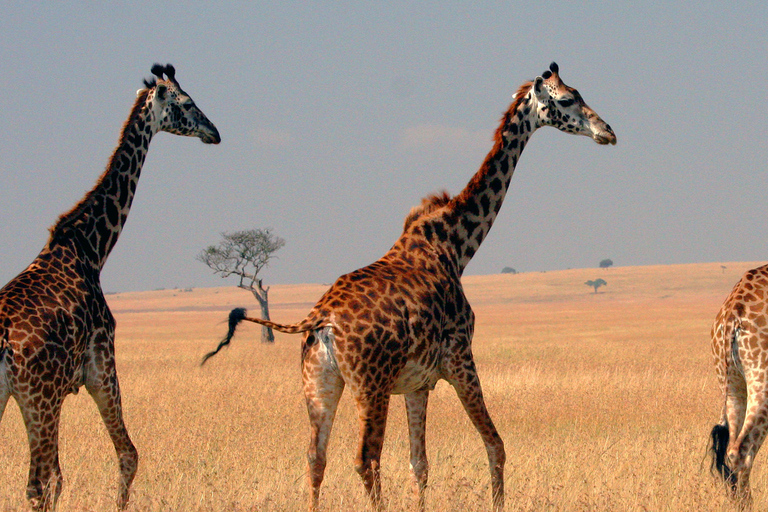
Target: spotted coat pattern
x,y
740,351
56,331
402,323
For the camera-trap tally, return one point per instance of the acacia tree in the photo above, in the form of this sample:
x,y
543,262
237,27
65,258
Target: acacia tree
x,y
597,283
244,254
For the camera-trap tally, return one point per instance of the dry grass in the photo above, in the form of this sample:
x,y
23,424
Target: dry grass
x,y
604,401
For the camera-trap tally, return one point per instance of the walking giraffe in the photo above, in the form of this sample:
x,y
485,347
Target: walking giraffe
x,y
401,324
739,347
56,330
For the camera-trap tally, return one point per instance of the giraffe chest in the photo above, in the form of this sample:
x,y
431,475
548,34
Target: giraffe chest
x,y
50,318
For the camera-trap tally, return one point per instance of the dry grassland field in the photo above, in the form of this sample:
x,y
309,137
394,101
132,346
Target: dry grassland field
x,y
604,401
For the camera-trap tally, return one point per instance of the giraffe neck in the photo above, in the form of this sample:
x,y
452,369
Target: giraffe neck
x,y
475,208
95,223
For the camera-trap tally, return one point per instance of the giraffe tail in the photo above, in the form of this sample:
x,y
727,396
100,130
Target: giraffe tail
x,y
718,450
237,315
305,325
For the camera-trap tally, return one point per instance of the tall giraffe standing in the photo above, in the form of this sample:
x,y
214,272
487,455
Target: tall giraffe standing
x,y
401,324
56,330
740,350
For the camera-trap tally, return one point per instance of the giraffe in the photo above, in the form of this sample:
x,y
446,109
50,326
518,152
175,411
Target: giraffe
x,y
402,323
739,342
56,330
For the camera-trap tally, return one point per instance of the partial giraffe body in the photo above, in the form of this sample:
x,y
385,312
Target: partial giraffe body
x,y
402,323
739,348
56,330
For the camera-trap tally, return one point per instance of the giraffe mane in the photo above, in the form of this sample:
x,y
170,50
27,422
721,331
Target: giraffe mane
x,y
67,218
469,190
428,205
520,95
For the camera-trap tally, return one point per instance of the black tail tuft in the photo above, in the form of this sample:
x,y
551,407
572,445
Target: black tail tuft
x,y
719,447
236,316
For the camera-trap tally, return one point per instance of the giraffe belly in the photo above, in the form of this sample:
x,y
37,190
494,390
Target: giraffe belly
x,y
415,377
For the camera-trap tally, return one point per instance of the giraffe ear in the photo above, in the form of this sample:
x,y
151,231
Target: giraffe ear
x,y
160,91
539,90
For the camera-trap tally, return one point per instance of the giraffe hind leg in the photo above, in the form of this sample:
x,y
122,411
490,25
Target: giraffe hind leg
x,y
738,422
372,409
323,387
416,408
742,451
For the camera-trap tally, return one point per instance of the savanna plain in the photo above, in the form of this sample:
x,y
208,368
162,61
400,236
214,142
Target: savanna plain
x,y
604,400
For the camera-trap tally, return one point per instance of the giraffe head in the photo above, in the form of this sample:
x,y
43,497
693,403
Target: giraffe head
x,y
174,111
563,107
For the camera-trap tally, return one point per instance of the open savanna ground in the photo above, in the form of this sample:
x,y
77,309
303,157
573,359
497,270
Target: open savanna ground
x,y
604,401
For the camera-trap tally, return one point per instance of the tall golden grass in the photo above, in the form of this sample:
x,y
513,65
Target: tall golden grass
x,y
604,401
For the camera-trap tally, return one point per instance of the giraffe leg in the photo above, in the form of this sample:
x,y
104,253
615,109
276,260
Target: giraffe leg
x,y
322,391
104,388
5,388
42,423
742,452
734,418
372,411
467,385
416,408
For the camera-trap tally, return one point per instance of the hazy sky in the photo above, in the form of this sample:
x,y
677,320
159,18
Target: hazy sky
x,y
336,118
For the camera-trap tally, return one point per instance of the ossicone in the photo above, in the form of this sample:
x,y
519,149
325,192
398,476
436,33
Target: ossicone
x,y
168,70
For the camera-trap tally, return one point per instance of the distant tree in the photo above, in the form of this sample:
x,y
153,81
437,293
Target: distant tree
x,y
244,254
597,283
723,267
606,263
508,270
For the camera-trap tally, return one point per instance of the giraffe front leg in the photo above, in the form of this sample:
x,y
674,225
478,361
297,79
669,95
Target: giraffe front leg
x,y
416,408
467,385
104,388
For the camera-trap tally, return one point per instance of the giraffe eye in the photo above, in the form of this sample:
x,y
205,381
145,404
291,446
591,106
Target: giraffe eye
x,y
565,103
